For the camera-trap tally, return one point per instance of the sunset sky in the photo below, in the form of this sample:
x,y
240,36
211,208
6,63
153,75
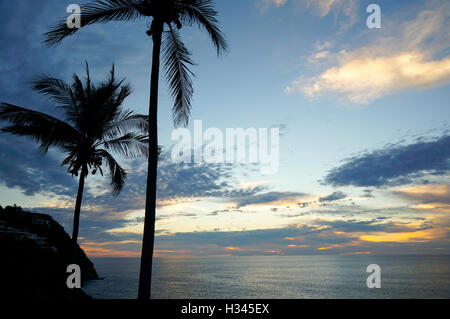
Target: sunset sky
x,y
363,116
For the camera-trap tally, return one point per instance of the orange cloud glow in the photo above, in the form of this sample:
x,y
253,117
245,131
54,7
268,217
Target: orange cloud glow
x,y
233,248
102,252
416,236
358,253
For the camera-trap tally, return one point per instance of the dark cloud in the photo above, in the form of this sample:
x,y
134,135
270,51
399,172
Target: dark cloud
x,y
176,183
333,197
394,165
229,239
186,180
283,127
227,210
24,56
180,214
368,193
267,198
24,167
101,211
323,201
355,226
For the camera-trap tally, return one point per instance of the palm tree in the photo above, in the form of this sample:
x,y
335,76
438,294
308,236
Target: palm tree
x,y
166,17
94,124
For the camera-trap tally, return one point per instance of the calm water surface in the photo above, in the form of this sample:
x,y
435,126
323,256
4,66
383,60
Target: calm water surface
x,y
289,277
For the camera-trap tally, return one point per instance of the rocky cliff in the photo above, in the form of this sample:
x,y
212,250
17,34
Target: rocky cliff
x,y
35,252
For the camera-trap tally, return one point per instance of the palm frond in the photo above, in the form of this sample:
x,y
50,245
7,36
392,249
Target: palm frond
x,y
125,122
80,101
130,145
45,129
103,105
116,172
101,11
56,89
177,59
201,12
125,91
88,84
61,93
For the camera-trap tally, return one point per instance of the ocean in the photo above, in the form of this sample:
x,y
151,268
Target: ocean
x,y
277,277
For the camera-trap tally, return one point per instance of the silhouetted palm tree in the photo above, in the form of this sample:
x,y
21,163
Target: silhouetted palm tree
x,y
93,125
170,14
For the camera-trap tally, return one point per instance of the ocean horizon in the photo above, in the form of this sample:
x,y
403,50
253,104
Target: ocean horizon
x,y
276,277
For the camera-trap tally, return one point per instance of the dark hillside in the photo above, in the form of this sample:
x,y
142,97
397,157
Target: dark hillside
x,y
35,252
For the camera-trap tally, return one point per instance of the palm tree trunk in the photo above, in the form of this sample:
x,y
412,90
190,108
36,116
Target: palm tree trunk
x,y
145,276
76,217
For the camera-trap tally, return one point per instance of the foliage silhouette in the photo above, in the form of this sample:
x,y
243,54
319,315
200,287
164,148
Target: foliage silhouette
x,y
167,17
94,125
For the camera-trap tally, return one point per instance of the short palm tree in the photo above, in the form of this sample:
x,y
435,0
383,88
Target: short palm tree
x,y
166,17
94,124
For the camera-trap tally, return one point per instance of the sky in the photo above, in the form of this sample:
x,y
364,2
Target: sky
x,y
363,116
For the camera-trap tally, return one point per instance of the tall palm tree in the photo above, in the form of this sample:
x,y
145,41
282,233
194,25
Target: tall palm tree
x,y
166,17
94,124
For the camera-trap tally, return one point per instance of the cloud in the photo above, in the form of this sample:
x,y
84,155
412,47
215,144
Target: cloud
x,y
323,235
414,236
359,226
427,193
368,193
328,237
243,242
276,3
408,56
119,249
333,197
320,7
274,198
323,201
428,197
345,11
24,167
34,173
362,79
393,166
325,7
322,54
357,253
178,181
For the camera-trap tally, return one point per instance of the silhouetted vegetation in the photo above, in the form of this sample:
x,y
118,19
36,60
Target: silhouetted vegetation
x,y
167,17
35,252
94,125
11,209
